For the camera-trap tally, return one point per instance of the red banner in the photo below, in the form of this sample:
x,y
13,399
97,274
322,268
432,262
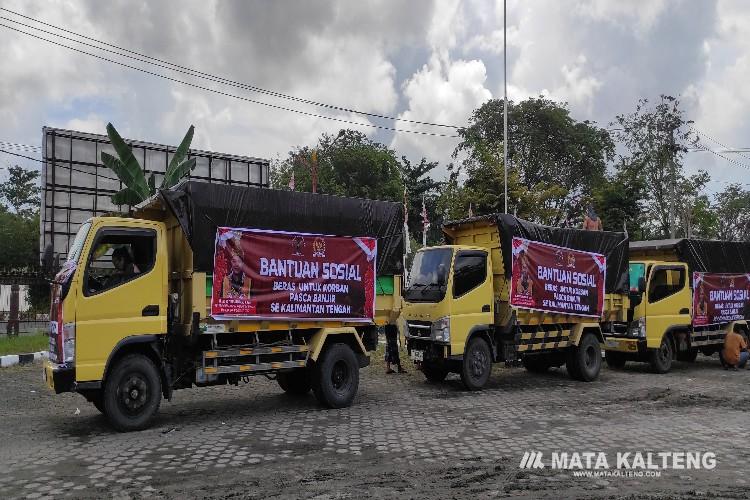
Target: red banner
x,y
277,275
557,279
720,298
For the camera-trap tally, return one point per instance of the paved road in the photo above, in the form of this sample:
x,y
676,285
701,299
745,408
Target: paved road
x,y
402,438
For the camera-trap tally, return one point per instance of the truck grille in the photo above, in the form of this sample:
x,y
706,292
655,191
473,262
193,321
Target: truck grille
x,y
422,329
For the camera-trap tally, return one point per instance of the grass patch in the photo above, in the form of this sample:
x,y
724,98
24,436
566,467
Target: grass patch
x,y
23,344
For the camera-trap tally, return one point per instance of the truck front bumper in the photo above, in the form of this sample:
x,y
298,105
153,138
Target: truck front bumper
x,y
59,378
421,349
623,344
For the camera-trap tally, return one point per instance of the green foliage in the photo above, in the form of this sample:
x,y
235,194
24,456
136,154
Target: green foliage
x,y
420,186
555,160
618,200
21,191
23,344
657,138
19,240
349,164
128,170
732,213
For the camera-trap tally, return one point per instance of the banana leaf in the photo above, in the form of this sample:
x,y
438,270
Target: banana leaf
x,y
174,175
126,196
178,160
132,176
132,169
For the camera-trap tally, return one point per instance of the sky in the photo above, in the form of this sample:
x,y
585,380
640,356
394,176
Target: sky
x,y
426,61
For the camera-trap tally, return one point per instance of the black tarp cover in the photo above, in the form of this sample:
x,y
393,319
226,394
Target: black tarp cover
x,y
201,207
610,244
706,256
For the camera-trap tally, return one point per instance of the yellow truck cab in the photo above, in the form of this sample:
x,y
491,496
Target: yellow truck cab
x,y
131,309
661,325
459,316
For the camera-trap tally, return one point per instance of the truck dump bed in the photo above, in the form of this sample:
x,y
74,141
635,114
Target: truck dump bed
x,y
193,210
709,256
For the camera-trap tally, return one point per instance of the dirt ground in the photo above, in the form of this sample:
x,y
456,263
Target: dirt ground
x,y
402,438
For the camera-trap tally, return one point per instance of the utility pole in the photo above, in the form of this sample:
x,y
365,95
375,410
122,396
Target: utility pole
x,y
505,102
673,172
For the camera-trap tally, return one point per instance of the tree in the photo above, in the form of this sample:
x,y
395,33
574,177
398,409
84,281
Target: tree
x,y
128,170
19,240
421,187
21,191
556,160
657,138
618,200
732,213
349,164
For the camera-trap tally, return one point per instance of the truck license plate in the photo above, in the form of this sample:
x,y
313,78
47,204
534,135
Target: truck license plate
x,y
417,355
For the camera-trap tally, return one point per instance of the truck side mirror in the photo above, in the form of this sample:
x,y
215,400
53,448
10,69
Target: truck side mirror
x,y
641,284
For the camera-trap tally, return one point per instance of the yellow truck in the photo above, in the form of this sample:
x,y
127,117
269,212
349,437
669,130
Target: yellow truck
x,y
670,320
133,314
460,317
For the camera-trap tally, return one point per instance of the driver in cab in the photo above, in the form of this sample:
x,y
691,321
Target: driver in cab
x,y
125,268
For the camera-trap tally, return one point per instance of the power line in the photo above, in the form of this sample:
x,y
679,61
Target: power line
x,y
21,147
64,166
192,72
737,150
730,160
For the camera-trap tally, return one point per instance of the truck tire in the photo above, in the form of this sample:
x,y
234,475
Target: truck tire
x,y
539,363
585,359
336,376
615,359
296,382
434,372
132,393
477,364
661,359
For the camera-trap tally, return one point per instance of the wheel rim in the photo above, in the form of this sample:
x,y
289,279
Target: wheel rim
x,y
341,377
589,356
478,363
133,394
664,353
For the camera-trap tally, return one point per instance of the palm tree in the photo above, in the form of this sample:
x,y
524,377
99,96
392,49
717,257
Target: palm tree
x,y
129,171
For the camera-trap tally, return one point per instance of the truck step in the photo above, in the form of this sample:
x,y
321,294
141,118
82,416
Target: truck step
x,y
254,351
250,368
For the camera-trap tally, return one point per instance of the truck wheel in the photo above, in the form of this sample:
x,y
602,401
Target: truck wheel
x,y
538,363
477,365
434,372
585,360
336,376
661,358
132,393
295,382
615,359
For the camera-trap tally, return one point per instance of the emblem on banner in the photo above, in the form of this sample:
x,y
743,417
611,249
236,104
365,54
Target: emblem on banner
x,y
319,247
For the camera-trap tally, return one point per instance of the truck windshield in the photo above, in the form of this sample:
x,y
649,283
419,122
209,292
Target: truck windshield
x,y
75,249
637,271
429,275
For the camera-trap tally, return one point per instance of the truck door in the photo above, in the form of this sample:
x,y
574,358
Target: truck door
x,y
668,301
472,296
122,294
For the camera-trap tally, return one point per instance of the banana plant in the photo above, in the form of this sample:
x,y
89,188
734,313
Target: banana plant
x,y
128,170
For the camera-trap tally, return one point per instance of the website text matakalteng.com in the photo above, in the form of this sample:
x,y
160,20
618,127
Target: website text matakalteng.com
x,y
622,464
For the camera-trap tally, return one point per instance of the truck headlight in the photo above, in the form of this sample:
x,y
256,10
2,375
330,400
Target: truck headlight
x,y
638,328
441,329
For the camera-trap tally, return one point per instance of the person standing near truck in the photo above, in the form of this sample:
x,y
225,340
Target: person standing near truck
x,y
735,353
392,358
